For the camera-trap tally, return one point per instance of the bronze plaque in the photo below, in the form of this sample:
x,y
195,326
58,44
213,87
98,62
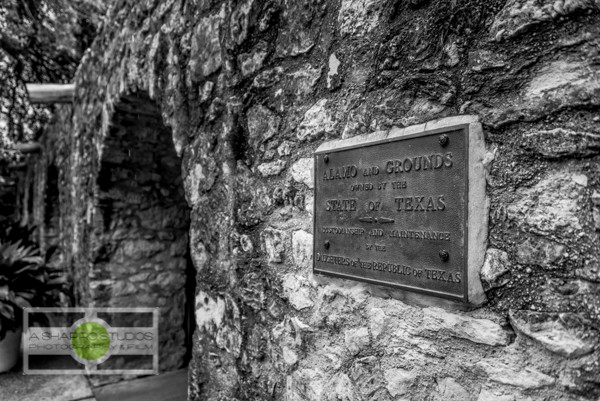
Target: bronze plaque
x,y
394,212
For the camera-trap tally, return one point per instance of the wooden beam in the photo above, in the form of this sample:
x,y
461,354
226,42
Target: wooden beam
x,y
50,93
17,166
26,147
30,147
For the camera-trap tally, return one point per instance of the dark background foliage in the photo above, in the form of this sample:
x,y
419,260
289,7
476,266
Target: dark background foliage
x,y
42,42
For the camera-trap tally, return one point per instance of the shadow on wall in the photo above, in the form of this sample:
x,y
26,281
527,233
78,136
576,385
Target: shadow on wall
x,y
140,229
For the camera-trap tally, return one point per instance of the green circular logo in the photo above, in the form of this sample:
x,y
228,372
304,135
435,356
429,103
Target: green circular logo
x,y
90,340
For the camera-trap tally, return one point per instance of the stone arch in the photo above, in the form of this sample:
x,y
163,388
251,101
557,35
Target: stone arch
x,y
139,230
208,171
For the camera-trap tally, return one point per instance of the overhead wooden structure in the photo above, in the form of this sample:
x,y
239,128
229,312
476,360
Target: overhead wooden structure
x,y
29,147
50,93
25,147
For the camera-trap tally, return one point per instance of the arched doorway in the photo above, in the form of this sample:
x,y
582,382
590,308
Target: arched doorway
x,y
140,229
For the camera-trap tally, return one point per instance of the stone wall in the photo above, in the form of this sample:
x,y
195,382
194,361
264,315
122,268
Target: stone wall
x,y
249,89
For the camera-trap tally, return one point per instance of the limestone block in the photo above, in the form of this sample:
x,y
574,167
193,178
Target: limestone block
x,y
303,171
377,322
309,204
239,21
399,380
518,16
268,78
273,242
562,76
548,331
285,149
302,252
334,356
178,247
358,17
317,122
305,384
209,311
137,249
123,287
369,379
170,280
590,270
289,356
496,264
333,78
452,53
297,42
251,62
199,178
272,168
340,387
570,80
539,251
527,378
481,60
198,252
562,142
263,124
296,36
230,339
302,82
246,243
596,198
549,205
221,317
450,390
356,122
140,277
205,57
206,91
481,331
357,339
489,395
297,293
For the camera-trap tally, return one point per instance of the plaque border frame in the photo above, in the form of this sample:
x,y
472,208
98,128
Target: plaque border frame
x,y
472,288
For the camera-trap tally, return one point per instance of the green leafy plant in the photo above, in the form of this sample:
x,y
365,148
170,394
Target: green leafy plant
x,y
28,278
22,282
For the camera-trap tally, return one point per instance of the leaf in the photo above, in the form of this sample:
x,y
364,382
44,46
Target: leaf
x,y
7,312
24,269
27,295
59,281
4,293
22,302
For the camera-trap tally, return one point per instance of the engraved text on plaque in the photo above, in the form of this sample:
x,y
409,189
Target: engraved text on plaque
x,y
394,212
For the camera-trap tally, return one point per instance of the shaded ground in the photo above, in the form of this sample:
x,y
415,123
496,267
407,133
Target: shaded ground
x,y
170,386
16,386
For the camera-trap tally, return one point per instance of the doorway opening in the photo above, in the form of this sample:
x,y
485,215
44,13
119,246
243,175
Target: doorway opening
x,y
140,246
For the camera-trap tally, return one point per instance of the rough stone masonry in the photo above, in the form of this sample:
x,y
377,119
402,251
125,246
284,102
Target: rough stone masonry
x,y
247,90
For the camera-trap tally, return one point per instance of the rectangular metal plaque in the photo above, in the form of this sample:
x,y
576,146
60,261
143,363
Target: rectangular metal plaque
x,y
394,212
